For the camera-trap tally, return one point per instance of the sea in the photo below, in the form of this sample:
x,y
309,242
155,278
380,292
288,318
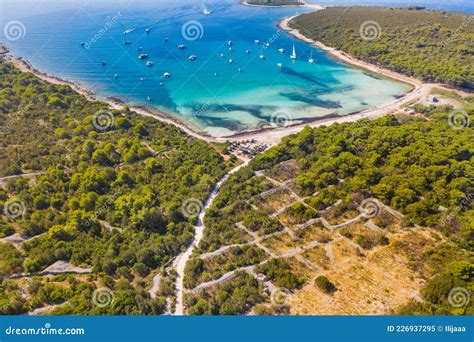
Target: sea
x,y
216,65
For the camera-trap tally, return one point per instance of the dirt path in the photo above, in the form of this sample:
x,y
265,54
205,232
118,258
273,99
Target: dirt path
x,y
23,175
182,259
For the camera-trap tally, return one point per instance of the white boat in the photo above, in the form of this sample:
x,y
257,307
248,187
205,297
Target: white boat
x,y
311,60
216,74
192,57
262,57
231,61
116,76
143,56
281,50
181,47
247,51
293,54
257,41
141,78
280,65
149,63
239,69
205,10
147,30
139,48
222,55
229,42
148,98
166,75
127,31
230,48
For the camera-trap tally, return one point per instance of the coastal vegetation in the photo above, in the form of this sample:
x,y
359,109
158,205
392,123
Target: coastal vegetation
x,y
433,46
108,194
416,174
274,2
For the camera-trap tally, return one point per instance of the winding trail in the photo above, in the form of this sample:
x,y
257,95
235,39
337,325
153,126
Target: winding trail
x,y
182,259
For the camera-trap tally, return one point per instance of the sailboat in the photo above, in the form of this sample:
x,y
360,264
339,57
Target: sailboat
x,y
311,60
293,54
205,10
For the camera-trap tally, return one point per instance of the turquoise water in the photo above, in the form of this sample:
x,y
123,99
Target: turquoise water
x,y
208,93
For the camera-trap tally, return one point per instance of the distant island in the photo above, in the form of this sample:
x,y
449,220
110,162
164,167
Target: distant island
x,y
274,2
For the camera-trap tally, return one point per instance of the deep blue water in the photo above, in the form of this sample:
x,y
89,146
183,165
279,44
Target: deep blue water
x,y
210,93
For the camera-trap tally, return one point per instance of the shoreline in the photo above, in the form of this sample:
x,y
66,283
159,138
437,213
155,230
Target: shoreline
x,y
113,102
301,4
269,135
346,58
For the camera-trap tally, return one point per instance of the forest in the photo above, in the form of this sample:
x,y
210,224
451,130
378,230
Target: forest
x,y
418,165
109,193
433,46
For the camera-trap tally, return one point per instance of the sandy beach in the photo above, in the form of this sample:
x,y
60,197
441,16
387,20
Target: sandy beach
x,y
114,103
267,135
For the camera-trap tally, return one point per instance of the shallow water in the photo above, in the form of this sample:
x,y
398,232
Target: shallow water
x,y
209,93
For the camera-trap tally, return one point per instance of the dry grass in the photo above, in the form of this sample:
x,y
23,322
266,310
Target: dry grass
x,y
274,201
338,215
375,282
285,171
318,256
314,232
280,243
